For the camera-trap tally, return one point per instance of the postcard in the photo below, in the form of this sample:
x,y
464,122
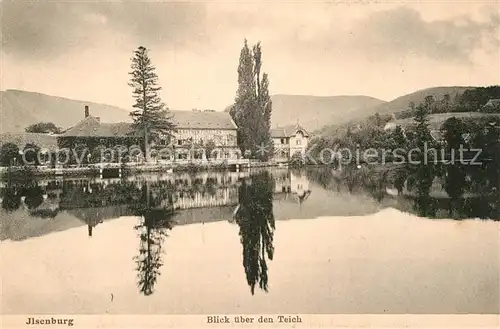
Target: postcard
x,y
225,164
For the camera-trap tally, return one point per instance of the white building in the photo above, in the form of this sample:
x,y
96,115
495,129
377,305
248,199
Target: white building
x,y
288,141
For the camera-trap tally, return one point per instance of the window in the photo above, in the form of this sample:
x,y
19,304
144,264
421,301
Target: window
x,y
282,141
179,142
298,141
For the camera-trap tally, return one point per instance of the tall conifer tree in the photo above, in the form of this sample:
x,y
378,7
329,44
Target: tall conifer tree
x,y
151,117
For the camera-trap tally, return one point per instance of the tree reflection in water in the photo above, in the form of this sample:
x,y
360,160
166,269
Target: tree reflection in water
x,y
155,209
436,191
256,221
455,180
422,179
34,196
13,193
11,199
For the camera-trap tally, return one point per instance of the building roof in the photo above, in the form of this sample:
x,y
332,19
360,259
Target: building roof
x,y
44,141
287,131
92,127
203,120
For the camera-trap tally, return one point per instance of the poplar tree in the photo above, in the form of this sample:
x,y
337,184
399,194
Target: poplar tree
x,y
252,109
264,104
151,117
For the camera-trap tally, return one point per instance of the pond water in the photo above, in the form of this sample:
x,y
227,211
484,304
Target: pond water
x,y
269,241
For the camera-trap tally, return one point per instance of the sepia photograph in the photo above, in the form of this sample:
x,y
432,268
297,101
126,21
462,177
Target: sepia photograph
x,y
249,164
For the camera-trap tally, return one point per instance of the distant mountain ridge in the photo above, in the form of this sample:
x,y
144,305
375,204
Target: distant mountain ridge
x,y
18,109
313,112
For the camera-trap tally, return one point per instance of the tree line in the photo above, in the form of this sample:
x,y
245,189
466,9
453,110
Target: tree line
x,y
471,132
471,100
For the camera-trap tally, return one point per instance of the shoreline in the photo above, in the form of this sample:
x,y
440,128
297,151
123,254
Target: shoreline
x,y
116,170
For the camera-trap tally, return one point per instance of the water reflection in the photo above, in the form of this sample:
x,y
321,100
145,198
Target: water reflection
x,y
254,216
251,200
420,181
155,210
457,191
453,191
291,185
11,198
434,191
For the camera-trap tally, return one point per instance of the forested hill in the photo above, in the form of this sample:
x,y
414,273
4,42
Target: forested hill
x,y
444,100
401,104
20,109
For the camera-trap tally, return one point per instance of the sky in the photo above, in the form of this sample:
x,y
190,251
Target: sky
x,y
383,49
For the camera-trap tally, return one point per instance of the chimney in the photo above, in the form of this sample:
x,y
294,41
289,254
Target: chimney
x,y
87,111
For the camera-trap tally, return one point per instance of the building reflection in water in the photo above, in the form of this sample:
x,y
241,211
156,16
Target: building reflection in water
x,y
159,202
292,186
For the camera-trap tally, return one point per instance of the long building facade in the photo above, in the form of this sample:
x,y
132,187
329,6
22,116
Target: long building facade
x,y
202,129
197,135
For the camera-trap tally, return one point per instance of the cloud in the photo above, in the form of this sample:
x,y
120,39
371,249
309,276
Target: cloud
x,y
156,22
45,30
402,32
82,49
397,33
